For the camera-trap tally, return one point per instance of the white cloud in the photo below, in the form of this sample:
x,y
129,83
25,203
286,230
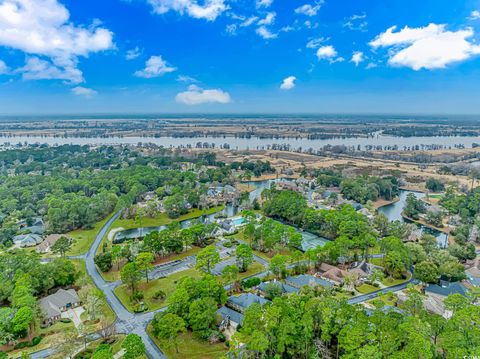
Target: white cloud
x,y
314,43
266,33
429,47
43,28
288,83
84,91
263,3
371,65
329,53
474,15
155,67
268,20
38,69
356,22
209,10
133,53
185,78
3,68
357,57
308,9
197,96
249,21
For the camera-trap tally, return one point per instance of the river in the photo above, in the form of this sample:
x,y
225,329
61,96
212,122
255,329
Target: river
x,y
394,213
249,143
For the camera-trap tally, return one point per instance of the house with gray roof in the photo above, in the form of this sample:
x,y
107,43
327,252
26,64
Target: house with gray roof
x,y
241,302
445,288
230,317
55,304
27,240
303,280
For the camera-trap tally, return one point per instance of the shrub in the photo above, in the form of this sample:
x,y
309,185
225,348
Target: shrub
x,y
137,296
36,341
21,345
159,294
250,282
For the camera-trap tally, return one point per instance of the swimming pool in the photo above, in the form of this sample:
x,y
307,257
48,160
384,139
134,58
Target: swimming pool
x,y
237,221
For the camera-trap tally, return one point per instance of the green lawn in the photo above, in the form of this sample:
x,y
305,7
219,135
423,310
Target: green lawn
x,y
83,238
388,299
254,268
167,284
376,261
162,218
389,282
189,347
366,288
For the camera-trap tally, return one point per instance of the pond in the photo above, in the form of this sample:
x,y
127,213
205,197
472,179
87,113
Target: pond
x,y
394,213
310,240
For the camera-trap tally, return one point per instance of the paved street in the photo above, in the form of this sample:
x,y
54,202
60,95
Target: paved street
x,y
126,322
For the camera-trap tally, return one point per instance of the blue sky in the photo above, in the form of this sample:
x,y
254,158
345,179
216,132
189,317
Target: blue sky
x,y
235,56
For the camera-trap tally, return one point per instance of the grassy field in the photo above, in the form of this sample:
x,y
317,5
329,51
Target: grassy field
x,y
189,347
254,268
167,285
389,282
162,218
366,288
388,299
83,238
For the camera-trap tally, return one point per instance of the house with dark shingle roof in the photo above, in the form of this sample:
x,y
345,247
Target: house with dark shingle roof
x,y
230,317
55,304
445,288
303,280
241,302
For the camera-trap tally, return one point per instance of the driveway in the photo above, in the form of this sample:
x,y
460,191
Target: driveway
x,y
74,315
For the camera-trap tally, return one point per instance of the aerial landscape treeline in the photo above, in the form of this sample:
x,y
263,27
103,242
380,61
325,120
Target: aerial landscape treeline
x,y
235,254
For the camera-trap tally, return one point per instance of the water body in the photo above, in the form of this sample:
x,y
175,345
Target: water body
x,y
394,213
310,240
249,143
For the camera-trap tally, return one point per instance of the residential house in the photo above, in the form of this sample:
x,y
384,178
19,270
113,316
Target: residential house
x,y
303,280
47,243
55,304
445,288
333,274
241,302
27,240
287,185
230,317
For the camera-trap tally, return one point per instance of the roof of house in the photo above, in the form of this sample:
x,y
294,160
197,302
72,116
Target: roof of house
x,y
285,287
335,274
302,280
446,288
36,229
53,303
324,267
245,300
26,240
233,315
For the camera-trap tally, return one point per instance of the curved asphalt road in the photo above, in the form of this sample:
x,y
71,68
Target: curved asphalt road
x,y
126,322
